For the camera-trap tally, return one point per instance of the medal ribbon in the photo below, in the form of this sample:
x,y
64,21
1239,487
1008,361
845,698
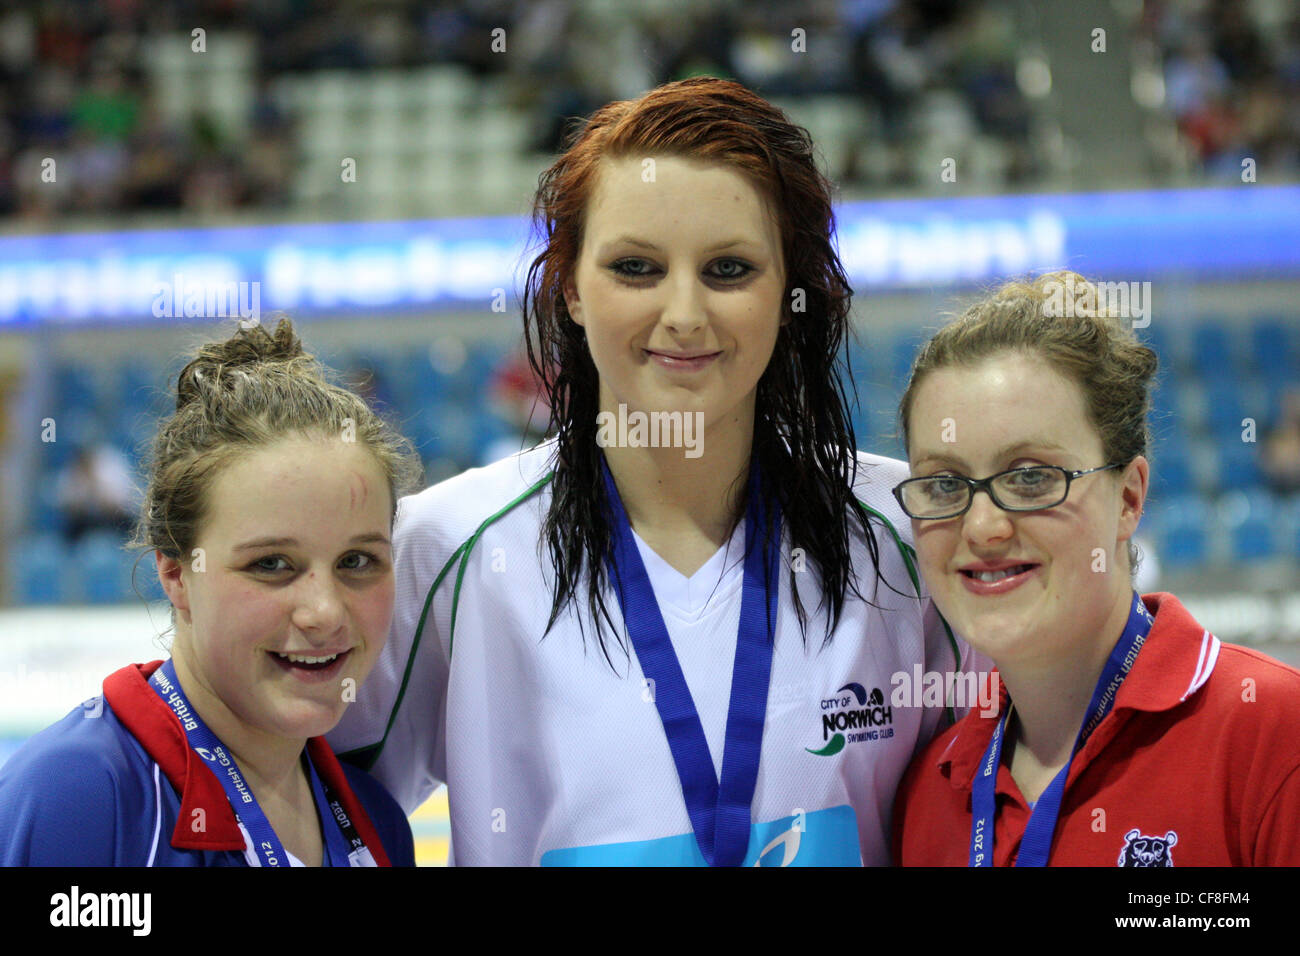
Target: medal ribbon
x,y
719,812
1036,845
340,841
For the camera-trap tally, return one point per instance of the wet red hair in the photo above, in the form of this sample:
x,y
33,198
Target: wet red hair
x,y
803,436
706,119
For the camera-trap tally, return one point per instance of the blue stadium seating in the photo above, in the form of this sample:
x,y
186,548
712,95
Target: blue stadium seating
x,y
1171,470
902,352
104,568
1231,371
1156,337
1290,523
1250,520
481,363
54,455
45,516
1224,410
1212,348
1239,465
487,429
39,570
1183,532
423,383
143,577
73,387
876,420
1273,348
869,358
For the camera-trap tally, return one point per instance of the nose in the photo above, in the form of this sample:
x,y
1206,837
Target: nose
x,y
320,608
985,522
684,311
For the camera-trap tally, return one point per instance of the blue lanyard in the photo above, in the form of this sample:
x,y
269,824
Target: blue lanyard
x,y
719,813
1036,845
261,835
341,841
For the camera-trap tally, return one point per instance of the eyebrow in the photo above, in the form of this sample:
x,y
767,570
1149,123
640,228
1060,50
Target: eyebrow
x,y
372,538
643,244
1004,452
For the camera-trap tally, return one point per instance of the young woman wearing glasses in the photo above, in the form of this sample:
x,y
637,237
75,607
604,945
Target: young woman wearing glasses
x,y
1126,733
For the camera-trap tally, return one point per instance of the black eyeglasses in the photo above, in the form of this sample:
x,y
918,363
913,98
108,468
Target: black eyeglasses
x,y
1019,489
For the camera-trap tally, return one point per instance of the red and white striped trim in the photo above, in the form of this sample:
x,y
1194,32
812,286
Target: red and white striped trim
x,y
1204,664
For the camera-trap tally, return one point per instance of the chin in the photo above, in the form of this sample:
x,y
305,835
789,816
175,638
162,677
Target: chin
x,y
305,719
994,634
998,646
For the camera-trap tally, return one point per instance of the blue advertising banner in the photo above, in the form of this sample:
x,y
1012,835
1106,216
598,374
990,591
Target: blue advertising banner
x,y
346,268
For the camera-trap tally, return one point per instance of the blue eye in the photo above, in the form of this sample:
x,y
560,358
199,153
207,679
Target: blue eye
x,y
259,564
738,269
625,268
370,561
1029,477
944,488
1029,484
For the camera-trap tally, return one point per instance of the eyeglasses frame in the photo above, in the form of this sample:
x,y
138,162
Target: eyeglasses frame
x,y
986,485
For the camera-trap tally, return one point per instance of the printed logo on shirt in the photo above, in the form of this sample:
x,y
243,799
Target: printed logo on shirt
x,y
854,717
1141,850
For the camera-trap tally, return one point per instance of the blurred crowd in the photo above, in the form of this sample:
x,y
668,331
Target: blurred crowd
x,y
1232,78
886,54
81,129
77,84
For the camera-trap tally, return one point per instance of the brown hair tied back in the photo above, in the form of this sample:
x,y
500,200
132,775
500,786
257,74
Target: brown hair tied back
x,y
248,392
215,362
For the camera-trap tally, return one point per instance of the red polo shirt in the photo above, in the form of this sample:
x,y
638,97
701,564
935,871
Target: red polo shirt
x,y
1197,764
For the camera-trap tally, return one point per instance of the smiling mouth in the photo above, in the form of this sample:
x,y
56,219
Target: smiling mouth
x,y
989,577
682,362
307,661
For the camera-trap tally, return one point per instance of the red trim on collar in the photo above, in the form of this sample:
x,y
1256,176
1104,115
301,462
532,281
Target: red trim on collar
x,y
971,739
1169,657
1166,666
327,765
205,821
203,801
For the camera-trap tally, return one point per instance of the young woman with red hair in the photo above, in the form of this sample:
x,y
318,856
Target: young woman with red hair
x,y
661,637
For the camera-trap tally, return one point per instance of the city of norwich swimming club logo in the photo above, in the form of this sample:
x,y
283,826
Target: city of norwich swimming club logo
x,y
852,718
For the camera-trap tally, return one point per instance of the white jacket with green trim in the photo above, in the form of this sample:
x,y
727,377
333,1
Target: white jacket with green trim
x,y
551,756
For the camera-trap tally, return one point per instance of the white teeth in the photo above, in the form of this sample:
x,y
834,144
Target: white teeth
x,y
990,576
304,659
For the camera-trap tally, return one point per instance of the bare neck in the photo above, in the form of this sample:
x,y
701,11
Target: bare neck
x,y
1051,694
668,495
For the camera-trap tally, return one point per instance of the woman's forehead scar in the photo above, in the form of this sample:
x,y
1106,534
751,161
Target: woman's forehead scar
x,y
357,488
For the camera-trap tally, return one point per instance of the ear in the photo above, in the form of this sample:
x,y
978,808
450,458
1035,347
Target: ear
x,y
571,300
171,574
1133,496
